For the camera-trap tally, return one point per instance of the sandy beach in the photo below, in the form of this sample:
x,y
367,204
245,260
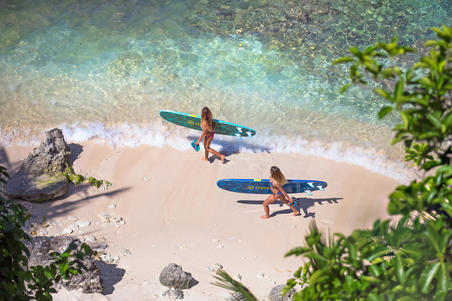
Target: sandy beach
x,y
174,212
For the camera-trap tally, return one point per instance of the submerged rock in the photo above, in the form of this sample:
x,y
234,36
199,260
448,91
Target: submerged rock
x,y
89,281
40,177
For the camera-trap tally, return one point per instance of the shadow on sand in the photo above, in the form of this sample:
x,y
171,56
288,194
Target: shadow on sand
x,y
51,210
76,150
110,274
302,204
230,147
12,167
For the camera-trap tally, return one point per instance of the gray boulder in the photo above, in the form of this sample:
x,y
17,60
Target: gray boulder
x,y
41,246
275,294
176,280
40,177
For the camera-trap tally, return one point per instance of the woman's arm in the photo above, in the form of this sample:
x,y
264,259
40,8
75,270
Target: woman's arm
x,y
203,134
284,193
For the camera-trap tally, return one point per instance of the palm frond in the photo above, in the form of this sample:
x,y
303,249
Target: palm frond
x,y
238,291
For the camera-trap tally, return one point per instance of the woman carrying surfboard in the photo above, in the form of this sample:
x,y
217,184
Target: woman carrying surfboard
x,y
207,134
277,180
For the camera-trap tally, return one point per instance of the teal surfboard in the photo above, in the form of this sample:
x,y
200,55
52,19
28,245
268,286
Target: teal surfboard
x,y
193,122
262,186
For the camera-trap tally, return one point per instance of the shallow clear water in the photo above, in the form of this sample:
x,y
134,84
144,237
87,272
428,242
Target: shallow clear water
x,y
106,68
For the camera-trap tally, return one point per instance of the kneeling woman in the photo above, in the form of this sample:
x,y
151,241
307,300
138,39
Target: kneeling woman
x,y
277,180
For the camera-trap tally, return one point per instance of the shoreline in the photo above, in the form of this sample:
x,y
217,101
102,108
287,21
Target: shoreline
x,y
382,158
174,212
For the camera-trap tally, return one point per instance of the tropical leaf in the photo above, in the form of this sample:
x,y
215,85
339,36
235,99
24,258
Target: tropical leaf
x,y
238,291
344,59
384,111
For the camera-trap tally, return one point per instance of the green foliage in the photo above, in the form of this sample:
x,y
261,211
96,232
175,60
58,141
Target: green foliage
x,y
77,179
430,197
64,265
17,280
408,260
14,254
387,262
421,94
20,282
239,291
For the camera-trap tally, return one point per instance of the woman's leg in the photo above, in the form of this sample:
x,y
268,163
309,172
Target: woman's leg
x,y
268,201
206,151
207,148
283,199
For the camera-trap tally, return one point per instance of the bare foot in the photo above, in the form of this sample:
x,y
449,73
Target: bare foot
x,y
204,159
222,159
296,213
265,216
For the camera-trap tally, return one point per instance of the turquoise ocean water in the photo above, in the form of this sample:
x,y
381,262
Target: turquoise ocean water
x,y
105,68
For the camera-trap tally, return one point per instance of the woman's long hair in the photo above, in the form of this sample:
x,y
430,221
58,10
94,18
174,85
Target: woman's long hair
x,y
206,118
276,174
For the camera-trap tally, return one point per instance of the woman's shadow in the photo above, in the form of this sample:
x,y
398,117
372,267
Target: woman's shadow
x,y
233,146
301,204
305,203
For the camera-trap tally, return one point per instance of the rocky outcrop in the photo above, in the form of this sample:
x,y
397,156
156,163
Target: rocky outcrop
x,y
40,177
275,294
176,280
41,246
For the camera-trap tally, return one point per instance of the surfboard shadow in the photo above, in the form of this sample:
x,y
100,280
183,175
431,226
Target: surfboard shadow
x,y
230,147
302,205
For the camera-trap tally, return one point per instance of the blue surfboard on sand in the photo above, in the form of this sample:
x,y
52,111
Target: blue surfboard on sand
x,y
193,122
262,186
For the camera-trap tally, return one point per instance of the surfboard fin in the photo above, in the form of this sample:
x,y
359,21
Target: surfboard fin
x,y
238,135
249,134
320,187
239,129
308,192
310,184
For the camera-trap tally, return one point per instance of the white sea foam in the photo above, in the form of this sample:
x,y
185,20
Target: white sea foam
x,y
370,159
160,134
